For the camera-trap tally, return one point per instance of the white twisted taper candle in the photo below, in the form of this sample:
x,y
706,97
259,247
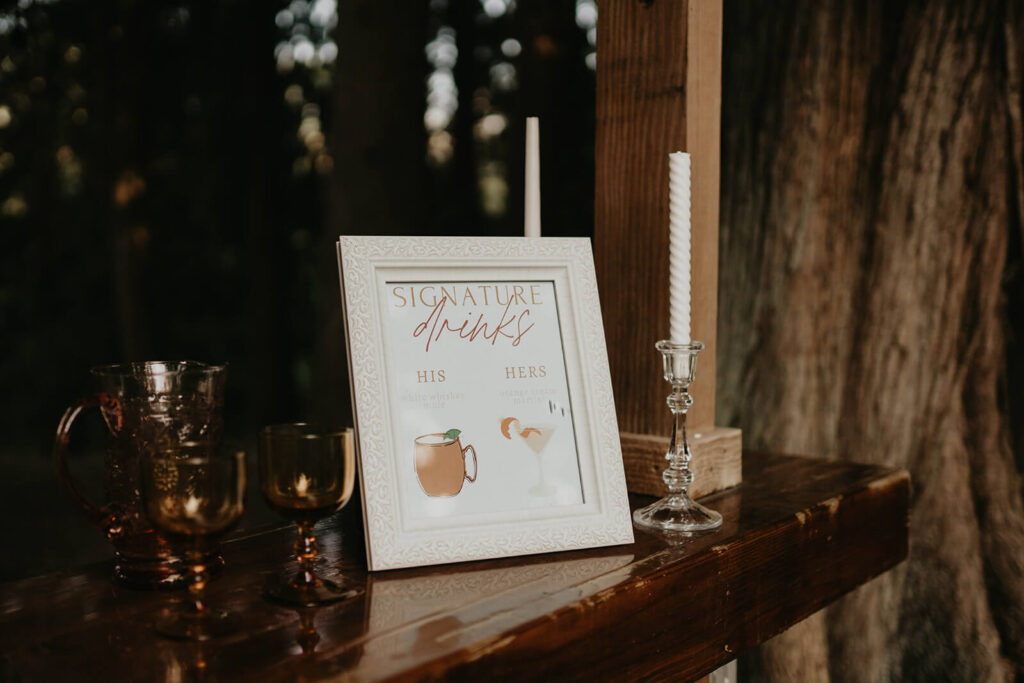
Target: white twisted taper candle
x,y
679,246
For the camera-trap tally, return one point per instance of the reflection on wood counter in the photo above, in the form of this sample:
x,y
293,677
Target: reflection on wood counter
x,y
798,534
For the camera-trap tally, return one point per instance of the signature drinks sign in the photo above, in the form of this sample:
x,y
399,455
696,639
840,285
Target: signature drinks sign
x,y
483,405
483,363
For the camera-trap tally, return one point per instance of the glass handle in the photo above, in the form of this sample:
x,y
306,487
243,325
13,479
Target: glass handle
x,y
470,449
103,518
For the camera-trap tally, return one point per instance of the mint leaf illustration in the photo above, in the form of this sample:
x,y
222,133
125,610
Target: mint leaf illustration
x,y
452,434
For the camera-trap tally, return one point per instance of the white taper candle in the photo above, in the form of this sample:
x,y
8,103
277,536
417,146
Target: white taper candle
x,y
679,246
531,224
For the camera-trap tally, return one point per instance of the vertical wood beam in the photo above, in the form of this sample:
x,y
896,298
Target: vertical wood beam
x,y
703,142
658,91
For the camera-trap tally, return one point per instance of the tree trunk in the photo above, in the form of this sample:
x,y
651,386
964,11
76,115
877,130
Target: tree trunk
x,y
379,179
871,218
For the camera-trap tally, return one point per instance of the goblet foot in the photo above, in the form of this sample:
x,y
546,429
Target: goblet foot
x,y
303,594
677,512
205,625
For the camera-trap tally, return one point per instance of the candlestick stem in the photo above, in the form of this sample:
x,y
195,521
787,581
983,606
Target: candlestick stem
x,y
678,476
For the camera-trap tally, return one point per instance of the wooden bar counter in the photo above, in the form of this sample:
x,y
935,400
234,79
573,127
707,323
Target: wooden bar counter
x,y
798,534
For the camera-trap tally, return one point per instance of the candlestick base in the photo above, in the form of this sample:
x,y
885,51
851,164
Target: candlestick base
x,y
677,513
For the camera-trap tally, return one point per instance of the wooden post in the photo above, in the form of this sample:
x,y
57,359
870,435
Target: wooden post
x,y
658,91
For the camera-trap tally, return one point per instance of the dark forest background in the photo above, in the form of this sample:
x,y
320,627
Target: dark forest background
x,y
173,176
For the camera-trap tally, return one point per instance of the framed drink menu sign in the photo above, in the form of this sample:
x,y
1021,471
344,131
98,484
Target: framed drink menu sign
x,y
483,403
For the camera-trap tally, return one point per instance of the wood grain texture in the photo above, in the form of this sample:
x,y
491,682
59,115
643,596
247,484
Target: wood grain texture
x,y
645,112
703,142
716,465
796,536
871,198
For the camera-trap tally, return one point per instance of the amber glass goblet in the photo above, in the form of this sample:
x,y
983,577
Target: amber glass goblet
x,y
306,474
193,493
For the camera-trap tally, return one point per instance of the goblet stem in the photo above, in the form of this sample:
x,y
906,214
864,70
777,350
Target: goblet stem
x,y
308,636
306,551
196,620
197,583
306,588
678,476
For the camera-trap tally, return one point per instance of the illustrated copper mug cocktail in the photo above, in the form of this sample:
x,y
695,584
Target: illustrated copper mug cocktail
x,y
147,405
441,464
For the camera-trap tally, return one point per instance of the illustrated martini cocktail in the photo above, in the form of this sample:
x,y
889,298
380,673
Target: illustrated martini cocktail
x,y
536,439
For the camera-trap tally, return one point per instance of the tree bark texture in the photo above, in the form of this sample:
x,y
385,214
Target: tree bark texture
x,y
870,256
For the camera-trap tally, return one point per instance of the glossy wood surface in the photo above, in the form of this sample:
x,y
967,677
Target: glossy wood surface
x,y
798,533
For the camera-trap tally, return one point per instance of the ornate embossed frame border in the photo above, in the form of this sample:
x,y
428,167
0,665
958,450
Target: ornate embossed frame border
x,y
602,519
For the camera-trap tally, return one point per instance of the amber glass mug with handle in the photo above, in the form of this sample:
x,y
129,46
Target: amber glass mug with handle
x,y
145,405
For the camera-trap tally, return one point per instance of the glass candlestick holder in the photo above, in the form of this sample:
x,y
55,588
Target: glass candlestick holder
x,y
677,511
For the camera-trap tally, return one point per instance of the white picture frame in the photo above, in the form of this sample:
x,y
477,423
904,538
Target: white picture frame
x,y
494,382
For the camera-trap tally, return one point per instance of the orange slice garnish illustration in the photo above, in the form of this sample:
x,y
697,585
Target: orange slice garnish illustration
x,y
505,424
506,428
